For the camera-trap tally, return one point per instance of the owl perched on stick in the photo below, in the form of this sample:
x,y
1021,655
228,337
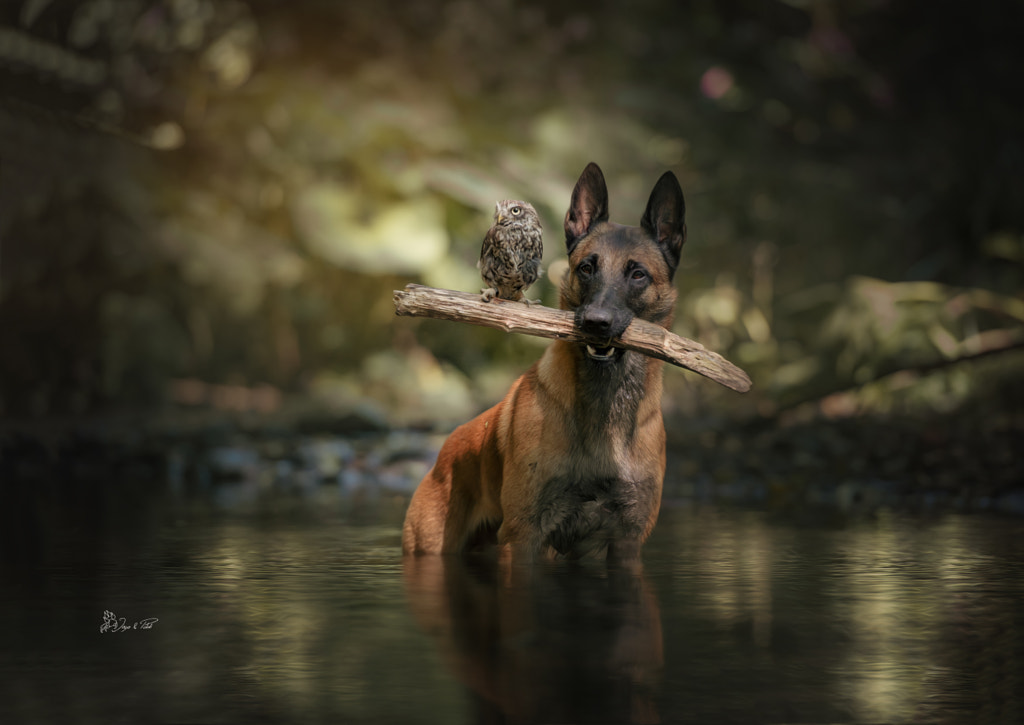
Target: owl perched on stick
x,y
510,256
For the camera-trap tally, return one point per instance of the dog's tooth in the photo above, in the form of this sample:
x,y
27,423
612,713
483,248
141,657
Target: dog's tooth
x,y
600,353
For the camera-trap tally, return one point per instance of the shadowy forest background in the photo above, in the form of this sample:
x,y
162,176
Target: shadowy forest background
x,y
205,207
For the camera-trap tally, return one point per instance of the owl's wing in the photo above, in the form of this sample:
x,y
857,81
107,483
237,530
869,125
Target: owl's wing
x,y
535,244
487,249
530,271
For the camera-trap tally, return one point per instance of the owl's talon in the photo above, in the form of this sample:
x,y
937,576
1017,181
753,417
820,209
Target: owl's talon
x,y
533,302
486,295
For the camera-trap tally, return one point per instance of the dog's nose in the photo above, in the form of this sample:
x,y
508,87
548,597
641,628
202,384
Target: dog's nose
x,y
597,321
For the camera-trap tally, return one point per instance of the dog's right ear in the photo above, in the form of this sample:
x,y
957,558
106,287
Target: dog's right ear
x,y
589,205
665,219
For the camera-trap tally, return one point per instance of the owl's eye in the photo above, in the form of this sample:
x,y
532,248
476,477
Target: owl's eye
x,y
516,211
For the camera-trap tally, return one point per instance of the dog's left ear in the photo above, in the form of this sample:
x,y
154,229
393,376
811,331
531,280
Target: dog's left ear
x,y
665,219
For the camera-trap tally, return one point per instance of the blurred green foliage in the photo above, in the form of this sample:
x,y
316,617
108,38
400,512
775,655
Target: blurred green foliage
x,y
200,194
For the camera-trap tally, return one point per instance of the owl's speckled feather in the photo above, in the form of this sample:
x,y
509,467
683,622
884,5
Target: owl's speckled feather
x,y
511,252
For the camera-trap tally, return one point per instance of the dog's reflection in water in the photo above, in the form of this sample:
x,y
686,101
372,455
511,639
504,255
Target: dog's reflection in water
x,y
555,643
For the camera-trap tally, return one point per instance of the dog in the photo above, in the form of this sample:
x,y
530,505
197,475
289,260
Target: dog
x,y
570,463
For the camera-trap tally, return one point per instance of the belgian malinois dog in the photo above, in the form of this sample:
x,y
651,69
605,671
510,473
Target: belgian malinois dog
x,y
571,461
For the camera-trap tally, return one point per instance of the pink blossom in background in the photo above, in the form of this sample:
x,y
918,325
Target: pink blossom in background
x,y
716,82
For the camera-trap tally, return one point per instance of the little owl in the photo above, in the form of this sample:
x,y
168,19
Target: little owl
x,y
510,257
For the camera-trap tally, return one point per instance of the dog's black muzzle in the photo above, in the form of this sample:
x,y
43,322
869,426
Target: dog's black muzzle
x,y
605,323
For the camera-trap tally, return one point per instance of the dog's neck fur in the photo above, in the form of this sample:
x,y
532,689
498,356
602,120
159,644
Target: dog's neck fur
x,y
605,400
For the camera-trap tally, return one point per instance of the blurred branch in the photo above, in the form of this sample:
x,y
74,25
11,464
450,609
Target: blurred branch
x,y
983,345
641,336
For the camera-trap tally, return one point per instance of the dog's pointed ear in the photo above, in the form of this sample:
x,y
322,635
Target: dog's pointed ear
x,y
589,205
665,218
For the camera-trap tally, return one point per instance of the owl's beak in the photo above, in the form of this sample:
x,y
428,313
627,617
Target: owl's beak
x,y
501,218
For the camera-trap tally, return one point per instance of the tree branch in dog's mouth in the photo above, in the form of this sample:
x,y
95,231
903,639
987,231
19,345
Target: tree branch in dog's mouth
x,y
641,336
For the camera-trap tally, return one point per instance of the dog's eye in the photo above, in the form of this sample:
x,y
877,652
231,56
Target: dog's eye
x,y
638,274
586,269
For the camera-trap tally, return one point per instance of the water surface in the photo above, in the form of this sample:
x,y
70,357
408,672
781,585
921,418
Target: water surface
x,y
301,609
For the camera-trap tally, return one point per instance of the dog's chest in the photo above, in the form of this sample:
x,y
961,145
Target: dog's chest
x,y
594,478
580,514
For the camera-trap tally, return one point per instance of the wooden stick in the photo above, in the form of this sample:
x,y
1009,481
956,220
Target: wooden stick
x,y
417,300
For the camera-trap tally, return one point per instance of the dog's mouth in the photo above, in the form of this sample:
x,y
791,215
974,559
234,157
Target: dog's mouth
x,y
602,353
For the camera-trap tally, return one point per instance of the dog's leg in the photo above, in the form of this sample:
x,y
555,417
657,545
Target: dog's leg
x,y
521,545
625,554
